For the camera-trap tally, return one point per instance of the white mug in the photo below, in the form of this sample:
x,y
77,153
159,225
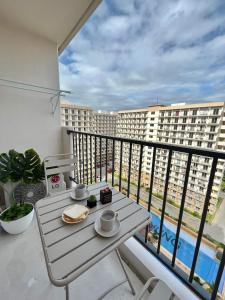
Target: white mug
x,y
108,219
80,190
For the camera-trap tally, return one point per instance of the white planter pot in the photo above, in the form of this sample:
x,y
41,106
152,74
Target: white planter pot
x,y
17,226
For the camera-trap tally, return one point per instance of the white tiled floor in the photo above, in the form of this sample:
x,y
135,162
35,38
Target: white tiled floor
x,y
23,275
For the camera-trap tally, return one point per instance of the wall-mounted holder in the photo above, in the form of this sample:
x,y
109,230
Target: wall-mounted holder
x,y
37,89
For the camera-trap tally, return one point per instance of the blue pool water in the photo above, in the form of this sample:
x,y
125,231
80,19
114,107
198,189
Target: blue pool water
x,y
206,266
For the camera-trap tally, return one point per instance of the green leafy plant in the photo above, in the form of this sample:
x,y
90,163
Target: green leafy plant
x,y
92,198
16,166
24,167
16,211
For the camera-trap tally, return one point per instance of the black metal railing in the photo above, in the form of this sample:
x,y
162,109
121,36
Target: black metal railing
x,y
95,152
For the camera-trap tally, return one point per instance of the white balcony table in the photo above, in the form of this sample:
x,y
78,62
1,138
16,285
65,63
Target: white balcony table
x,y
70,250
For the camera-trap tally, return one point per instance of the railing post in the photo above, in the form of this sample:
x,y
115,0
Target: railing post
x,y
95,158
129,170
106,159
121,165
164,200
139,173
91,159
113,162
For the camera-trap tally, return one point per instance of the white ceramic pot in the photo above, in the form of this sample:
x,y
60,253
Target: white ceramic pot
x,y
17,226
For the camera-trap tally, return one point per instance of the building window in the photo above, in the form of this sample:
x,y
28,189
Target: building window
x,y
193,120
216,111
199,143
185,113
194,113
191,135
66,111
214,120
212,128
67,123
189,143
209,145
211,137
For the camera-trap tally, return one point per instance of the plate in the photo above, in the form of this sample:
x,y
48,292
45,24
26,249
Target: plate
x,y
75,222
85,197
107,234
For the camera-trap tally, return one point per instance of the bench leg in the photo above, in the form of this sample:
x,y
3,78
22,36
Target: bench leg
x,y
124,270
67,292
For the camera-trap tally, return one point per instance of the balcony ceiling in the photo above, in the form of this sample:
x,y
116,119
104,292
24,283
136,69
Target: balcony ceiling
x,y
56,20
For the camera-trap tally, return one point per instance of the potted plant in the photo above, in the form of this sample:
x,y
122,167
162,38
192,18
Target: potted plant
x,y
28,171
91,202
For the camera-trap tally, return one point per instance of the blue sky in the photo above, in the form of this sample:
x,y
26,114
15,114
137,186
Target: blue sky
x,y
131,52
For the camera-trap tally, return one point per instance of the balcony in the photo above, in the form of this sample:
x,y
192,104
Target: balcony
x,y
122,165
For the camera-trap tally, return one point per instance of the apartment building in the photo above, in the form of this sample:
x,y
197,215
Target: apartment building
x,y
83,118
197,125
105,122
139,124
79,117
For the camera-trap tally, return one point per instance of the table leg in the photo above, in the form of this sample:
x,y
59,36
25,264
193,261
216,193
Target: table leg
x,y
122,265
67,292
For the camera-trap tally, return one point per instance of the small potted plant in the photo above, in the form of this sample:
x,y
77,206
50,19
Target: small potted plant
x,y
91,202
27,170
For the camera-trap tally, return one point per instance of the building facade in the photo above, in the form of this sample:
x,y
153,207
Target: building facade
x,y
197,125
84,119
105,122
79,117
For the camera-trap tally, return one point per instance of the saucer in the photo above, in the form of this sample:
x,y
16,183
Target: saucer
x,y
114,231
84,197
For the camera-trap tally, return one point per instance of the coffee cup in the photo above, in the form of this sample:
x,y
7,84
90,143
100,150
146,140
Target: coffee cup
x,y
80,190
108,219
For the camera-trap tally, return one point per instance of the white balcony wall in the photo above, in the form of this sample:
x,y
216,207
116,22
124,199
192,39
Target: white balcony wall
x,y
25,117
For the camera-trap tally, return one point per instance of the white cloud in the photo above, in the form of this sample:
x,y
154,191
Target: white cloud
x,y
130,52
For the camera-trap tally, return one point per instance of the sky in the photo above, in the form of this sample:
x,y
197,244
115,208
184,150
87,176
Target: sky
x,y
135,53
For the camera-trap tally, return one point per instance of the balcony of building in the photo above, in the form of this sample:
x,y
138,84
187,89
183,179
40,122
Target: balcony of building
x,y
122,177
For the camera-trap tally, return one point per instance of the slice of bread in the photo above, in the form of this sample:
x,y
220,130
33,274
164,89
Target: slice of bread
x,y
75,213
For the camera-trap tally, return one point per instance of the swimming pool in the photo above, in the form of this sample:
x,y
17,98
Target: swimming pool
x,y
206,267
